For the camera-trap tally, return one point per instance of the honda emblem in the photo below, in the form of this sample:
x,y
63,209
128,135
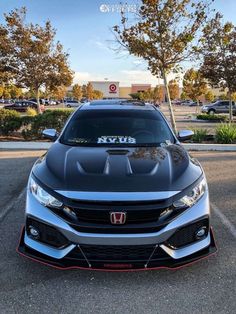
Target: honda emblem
x,y
117,218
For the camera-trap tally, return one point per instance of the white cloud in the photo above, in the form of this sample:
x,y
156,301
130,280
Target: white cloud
x,y
101,45
138,61
84,77
128,77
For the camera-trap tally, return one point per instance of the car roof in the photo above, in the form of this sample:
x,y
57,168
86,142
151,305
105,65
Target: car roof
x,y
121,104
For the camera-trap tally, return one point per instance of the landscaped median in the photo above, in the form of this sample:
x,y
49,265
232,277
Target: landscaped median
x,y
12,124
225,133
14,127
212,117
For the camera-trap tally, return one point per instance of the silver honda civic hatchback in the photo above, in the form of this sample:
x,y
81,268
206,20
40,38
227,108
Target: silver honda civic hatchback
x,y
117,191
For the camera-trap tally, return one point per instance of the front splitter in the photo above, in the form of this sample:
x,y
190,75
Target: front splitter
x,y
68,263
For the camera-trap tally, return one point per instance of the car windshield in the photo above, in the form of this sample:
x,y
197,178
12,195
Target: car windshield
x,y
117,128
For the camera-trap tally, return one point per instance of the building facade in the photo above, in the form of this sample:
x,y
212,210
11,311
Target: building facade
x,y
138,88
125,92
110,89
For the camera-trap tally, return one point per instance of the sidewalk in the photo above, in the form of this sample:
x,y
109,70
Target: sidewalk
x,y
46,145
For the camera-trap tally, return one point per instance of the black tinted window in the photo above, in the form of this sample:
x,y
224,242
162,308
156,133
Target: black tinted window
x,y
114,127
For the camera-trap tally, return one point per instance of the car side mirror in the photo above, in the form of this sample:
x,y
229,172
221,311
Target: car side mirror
x,y
184,135
51,134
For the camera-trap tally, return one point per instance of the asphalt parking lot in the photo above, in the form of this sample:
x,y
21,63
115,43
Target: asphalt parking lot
x,y
208,286
184,116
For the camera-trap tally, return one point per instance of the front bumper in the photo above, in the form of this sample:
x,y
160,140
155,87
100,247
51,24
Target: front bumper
x,y
76,254
68,262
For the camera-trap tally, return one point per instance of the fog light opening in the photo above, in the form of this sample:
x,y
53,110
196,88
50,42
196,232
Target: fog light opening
x,y
201,233
34,232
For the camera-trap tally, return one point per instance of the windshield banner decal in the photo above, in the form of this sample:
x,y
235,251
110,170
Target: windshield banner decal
x,y
116,140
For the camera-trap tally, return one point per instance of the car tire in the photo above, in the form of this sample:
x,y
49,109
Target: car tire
x,y
68,106
211,112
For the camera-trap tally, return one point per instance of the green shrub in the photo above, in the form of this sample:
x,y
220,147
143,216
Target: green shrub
x,y
50,119
226,134
199,135
31,112
214,117
31,126
10,121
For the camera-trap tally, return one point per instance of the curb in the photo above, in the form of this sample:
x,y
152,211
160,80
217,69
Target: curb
x,y
204,121
25,145
210,147
47,145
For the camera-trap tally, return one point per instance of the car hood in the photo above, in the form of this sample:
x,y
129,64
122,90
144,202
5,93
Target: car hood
x,y
113,169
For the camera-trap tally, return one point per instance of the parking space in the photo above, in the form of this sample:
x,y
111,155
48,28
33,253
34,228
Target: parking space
x,y
208,286
14,169
185,118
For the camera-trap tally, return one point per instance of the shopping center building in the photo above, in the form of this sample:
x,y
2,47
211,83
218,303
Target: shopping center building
x,y
112,89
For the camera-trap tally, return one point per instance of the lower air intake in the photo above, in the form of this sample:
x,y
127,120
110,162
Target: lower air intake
x,y
187,235
47,234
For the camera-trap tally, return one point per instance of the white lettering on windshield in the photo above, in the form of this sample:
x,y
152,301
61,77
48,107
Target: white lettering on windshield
x,y
116,140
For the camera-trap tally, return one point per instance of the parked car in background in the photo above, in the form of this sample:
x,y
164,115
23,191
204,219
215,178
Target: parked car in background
x,y
22,106
186,102
195,104
220,106
41,101
84,100
176,102
6,101
72,103
50,102
53,102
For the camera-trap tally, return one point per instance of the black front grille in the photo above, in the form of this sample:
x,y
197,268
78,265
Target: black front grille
x,y
137,221
47,234
141,217
99,211
117,253
132,216
187,235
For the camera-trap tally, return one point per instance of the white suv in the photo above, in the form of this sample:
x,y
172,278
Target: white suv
x,y
72,103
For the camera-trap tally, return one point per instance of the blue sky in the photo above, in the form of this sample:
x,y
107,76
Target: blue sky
x,y
85,33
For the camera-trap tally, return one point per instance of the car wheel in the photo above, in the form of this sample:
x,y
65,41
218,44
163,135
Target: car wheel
x,y
211,112
68,106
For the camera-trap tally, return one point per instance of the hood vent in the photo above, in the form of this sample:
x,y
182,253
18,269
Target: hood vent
x,y
117,151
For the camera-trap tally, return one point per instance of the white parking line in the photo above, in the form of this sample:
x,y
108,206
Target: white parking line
x,y
11,205
224,220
